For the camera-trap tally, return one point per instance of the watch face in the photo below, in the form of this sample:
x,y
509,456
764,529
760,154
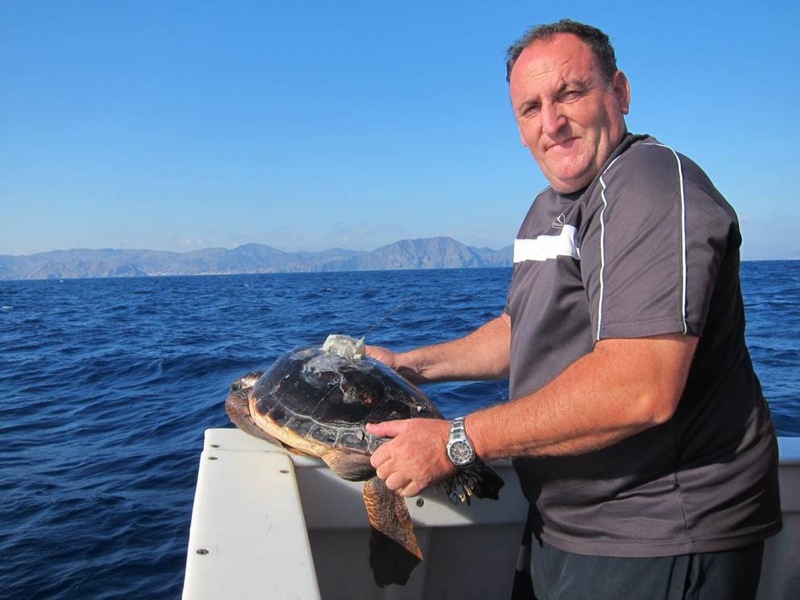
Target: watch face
x,y
461,453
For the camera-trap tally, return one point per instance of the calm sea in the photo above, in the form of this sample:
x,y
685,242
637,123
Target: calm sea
x,y
108,384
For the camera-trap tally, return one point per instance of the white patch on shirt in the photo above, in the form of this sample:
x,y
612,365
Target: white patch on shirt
x,y
547,247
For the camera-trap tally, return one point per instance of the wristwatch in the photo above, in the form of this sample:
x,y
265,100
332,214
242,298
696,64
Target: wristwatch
x,y
459,448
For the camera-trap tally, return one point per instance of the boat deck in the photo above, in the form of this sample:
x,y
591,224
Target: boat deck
x,y
298,531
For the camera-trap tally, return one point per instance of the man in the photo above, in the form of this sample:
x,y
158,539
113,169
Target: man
x,y
636,423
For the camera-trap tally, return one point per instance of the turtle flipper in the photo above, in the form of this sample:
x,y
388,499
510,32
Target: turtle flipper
x,y
349,464
478,480
393,547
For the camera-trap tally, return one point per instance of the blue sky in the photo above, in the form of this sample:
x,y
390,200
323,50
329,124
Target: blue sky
x,y
178,125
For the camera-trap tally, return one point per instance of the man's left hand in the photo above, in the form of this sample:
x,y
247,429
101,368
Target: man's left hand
x,y
415,457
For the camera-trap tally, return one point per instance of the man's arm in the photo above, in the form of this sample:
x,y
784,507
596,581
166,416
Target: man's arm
x,y
483,354
622,387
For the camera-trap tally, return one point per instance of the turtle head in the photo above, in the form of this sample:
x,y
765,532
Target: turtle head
x,y
246,381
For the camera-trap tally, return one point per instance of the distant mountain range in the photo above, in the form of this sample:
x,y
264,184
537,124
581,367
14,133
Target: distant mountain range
x,y
431,253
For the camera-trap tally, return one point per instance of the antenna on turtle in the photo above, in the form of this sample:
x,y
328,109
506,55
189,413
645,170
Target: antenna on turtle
x,y
350,348
386,316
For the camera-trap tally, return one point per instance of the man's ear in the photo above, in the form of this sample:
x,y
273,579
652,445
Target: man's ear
x,y
622,91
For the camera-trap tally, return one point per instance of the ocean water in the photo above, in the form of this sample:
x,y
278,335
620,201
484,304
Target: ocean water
x,y
108,385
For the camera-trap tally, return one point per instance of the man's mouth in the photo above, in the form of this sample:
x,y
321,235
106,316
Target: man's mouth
x,y
565,144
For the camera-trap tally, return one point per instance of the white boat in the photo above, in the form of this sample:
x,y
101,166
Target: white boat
x,y
270,525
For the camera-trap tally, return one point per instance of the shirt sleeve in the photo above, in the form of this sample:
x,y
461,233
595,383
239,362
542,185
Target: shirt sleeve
x,y
656,233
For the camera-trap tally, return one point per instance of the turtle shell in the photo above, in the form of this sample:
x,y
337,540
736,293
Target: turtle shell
x,y
315,401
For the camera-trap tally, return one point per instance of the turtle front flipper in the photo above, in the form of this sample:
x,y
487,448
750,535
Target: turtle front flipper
x,y
352,465
393,548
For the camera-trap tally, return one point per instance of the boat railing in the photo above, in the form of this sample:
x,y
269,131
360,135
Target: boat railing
x,y
266,524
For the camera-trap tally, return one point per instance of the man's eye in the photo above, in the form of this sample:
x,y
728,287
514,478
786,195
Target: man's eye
x,y
529,110
571,95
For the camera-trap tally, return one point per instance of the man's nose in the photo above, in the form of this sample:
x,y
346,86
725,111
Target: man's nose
x,y
553,118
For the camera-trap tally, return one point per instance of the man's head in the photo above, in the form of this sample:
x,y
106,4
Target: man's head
x,y
569,100
597,41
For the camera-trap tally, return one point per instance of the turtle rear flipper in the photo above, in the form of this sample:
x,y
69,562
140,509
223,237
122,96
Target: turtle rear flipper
x,y
478,480
393,547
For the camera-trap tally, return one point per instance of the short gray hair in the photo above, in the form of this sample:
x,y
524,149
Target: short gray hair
x,y
596,40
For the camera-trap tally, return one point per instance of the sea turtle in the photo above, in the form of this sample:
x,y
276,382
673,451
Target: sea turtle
x,y
315,400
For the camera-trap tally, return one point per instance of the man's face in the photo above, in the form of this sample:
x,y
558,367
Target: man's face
x,y
568,116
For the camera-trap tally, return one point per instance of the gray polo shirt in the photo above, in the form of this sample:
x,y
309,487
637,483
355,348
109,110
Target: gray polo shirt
x,y
649,248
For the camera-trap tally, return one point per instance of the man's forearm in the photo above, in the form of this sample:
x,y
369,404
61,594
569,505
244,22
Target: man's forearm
x,y
483,354
620,389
